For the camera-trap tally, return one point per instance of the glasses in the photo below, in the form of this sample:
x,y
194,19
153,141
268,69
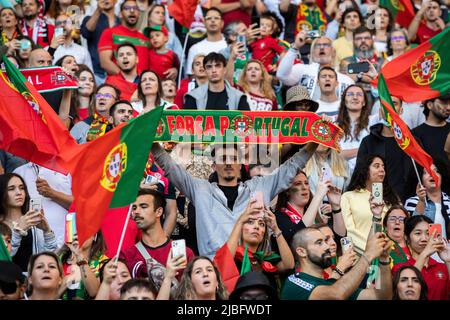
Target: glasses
x,y
104,95
395,219
63,23
8,288
261,296
363,38
355,94
129,8
323,45
394,38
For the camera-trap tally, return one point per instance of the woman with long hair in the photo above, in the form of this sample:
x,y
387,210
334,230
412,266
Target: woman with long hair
x,y
45,277
83,100
357,209
82,265
201,280
9,29
423,245
256,83
408,284
297,208
15,212
149,93
354,119
384,23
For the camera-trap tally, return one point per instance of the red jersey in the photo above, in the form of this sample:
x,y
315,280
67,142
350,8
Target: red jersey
x,y
436,277
41,33
112,37
136,262
83,114
236,15
161,62
424,33
265,50
186,85
126,88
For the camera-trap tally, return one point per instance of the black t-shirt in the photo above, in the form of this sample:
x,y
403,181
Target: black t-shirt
x,y
231,194
216,101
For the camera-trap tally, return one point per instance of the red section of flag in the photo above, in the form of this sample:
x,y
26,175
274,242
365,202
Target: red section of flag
x,y
405,14
183,11
224,261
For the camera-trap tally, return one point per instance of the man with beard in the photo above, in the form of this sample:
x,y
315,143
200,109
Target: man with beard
x,y
322,55
314,256
125,33
217,94
120,112
92,28
430,11
433,133
34,27
127,79
363,51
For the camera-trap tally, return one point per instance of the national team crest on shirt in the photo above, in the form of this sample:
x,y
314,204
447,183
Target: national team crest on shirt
x,y
242,125
440,275
403,141
114,166
321,131
425,69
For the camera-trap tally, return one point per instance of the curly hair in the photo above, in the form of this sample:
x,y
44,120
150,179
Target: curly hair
x,y
186,290
361,176
265,84
343,118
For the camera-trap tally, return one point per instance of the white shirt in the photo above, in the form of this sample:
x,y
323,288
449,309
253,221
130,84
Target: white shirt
x,y
203,47
55,214
330,108
80,53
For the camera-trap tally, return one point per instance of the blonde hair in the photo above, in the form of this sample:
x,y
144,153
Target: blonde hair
x,y
265,84
335,160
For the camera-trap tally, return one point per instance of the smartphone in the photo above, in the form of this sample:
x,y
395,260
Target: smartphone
x,y
25,44
178,248
71,227
346,244
242,39
437,227
149,179
326,174
258,196
377,192
358,67
59,32
313,34
36,204
377,227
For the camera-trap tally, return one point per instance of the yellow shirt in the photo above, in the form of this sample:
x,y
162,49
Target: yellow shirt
x,y
358,217
344,49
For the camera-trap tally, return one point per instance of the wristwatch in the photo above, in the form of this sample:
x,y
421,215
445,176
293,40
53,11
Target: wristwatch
x,y
385,263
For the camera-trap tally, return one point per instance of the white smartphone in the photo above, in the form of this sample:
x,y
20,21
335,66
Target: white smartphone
x,y
259,197
178,248
149,179
377,192
346,244
36,204
326,174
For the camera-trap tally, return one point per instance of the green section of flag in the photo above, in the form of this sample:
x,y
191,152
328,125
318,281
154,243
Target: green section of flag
x,y
388,4
246,264
441,45
4,253
15,76
385,96
119,39
138,137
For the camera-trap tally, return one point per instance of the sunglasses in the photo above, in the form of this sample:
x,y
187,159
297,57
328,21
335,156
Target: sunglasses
x,y
8,288
105,95
394,38
357,94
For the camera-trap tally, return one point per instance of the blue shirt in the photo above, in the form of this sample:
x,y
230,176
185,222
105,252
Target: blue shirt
x,y
93,39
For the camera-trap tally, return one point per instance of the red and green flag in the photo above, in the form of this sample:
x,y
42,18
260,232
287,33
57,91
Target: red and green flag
x,y
29,127
401,10
421,73
108,171
183,11
4,253
402,134
228,270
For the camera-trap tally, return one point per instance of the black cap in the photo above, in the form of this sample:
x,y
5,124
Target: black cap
x,y
10,272
253,280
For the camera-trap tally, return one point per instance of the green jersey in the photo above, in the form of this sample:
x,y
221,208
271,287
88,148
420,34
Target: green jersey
x,y
299,286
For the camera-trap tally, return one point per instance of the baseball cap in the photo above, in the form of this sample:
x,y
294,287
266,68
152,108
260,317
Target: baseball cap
x,y
148,30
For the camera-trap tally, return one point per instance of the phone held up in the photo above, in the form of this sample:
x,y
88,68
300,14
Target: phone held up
x,y
258,196
358,67
438,228
178,248
36,204
377,192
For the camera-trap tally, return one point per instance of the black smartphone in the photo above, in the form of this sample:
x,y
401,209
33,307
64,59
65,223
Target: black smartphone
x,y
358,67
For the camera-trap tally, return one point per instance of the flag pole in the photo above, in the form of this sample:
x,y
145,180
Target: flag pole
x,y
123,234
418,178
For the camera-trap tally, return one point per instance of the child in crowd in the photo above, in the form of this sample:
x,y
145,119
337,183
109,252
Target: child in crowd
x,y
169,88
267,48
162,60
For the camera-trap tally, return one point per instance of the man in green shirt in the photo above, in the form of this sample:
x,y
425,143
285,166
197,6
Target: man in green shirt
x,y
314,256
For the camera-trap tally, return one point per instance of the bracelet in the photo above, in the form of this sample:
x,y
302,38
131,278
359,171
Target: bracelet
x,y
339,271
375,219
82,262
336,211
385,263
276,235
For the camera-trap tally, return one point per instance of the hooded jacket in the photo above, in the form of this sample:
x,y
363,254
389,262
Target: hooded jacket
x,y
200,95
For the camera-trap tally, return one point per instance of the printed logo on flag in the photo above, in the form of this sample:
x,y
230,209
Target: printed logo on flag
x,y
402,141
397,5
242,125
115,165
425,69
34,104
160,129
321,131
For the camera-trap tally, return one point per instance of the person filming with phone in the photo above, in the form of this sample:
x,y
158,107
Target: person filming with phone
x,y
16,211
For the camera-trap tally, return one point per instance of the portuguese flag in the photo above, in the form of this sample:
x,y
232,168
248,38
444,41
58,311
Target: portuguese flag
x,y
29,128
421,73
108,171
183,11
4,253
401,10
403,136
